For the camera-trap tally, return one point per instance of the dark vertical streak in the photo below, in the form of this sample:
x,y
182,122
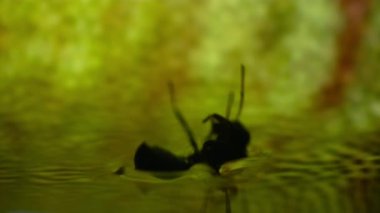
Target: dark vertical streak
x,y
181,119
241,103
228,201
357,196
206,200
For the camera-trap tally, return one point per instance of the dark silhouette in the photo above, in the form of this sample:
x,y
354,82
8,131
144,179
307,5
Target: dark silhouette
x,y
154,158
227,141
230,143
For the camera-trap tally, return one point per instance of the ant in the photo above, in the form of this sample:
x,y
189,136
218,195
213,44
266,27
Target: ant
x,y
227,141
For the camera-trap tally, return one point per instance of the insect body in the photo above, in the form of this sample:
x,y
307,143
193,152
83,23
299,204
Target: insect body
x,y
152,158
227,141
230,143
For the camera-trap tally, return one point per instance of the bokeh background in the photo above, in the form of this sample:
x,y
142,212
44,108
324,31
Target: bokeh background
x,y
83,83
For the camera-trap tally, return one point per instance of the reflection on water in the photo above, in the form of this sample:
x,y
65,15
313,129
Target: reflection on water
x,y
256,184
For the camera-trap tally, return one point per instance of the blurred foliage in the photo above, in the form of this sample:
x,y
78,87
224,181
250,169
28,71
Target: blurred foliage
x,y
86,80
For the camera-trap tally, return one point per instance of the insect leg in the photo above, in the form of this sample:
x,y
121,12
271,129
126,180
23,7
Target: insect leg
x,y
228,201
206,201
181,119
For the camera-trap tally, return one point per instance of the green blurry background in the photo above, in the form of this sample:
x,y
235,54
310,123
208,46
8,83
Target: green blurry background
x,y
85,82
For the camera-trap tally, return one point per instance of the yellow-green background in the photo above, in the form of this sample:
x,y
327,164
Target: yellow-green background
x,y
84,82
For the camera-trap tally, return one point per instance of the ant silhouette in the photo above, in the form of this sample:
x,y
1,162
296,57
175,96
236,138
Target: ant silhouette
x,y
227,141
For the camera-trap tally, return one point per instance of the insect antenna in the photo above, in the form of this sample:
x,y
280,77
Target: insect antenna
x,y
230,101
181,119
241,102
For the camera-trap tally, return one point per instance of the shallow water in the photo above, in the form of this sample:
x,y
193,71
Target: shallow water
x,y
257,184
